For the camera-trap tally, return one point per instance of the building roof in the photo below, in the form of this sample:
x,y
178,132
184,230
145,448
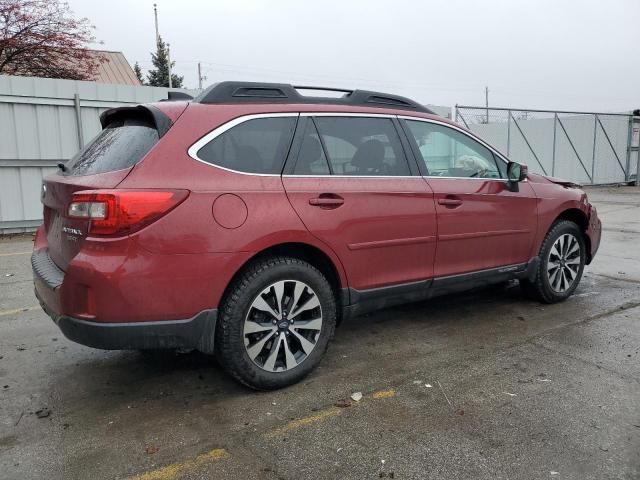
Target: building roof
x,y
116,70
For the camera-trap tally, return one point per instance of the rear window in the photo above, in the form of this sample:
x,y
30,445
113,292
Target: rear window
x,y
255,146
120,145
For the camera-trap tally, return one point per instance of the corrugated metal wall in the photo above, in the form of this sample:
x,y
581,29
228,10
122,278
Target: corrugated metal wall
x,y
599,162
39,127
584,148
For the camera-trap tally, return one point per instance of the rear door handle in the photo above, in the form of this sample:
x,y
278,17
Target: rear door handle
x,y
450,202
327,200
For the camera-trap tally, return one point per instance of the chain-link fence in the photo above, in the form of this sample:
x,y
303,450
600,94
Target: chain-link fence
x,y
588,148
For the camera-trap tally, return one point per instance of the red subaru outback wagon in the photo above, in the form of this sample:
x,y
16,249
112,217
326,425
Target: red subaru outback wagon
x,y
250,220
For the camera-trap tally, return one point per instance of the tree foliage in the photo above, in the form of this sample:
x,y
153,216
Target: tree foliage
x,y
159,77
138,71
42,38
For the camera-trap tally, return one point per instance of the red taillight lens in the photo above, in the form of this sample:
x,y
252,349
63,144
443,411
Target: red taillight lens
x,y
112,212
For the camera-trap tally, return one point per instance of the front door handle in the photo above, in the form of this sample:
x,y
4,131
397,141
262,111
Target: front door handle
x,y
450,202
327,200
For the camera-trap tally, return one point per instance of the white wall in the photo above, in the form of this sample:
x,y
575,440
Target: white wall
x,y
580,129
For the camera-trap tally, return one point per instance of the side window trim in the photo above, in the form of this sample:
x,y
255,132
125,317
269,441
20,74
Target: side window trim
x,y
399,122
192,151
296,145
323,144
423,168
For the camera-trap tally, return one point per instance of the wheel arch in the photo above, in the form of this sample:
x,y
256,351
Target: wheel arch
x,y
581,219
330,267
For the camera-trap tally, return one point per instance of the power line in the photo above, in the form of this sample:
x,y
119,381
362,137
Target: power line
x,y
335,79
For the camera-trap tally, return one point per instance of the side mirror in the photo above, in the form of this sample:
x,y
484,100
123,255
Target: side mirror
x,y
516,172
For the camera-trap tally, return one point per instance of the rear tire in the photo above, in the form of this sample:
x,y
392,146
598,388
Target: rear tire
x,y
275,323
562,260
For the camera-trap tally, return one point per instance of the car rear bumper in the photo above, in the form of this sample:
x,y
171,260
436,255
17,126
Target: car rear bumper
x,y
196,332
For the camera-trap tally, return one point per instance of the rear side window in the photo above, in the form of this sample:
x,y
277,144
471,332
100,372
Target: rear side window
x,y
255,146
362,146
120,145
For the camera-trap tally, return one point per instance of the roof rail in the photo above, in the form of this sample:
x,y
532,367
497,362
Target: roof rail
x,y
257,92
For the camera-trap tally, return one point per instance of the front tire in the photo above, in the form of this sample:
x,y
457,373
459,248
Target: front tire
x,y
562,260
275,323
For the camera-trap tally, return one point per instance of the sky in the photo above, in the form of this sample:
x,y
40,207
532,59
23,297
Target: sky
x,y
550,54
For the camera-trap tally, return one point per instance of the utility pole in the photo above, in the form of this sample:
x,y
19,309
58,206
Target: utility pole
x,y
486,102
155,14
169,63
199,77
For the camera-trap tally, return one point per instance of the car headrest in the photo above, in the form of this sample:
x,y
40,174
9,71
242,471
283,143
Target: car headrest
x,y
369,155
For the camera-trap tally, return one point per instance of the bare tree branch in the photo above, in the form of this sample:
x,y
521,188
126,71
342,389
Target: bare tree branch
x,y
42,38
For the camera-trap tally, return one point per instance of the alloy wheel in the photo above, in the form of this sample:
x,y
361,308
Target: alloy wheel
x,y
282,326
563,262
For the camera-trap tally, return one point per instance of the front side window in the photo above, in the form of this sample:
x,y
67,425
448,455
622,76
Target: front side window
x,y
447,152
359,146
255,146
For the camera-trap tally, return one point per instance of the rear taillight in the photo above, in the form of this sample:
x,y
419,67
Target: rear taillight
x,y
118,212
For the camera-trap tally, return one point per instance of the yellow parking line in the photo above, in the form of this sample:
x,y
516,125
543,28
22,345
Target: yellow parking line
x,y
14,253
295,424
384,394
18,310
323,415
170,472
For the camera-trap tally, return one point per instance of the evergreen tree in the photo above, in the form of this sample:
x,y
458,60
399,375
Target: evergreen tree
x,y
159,77
138,72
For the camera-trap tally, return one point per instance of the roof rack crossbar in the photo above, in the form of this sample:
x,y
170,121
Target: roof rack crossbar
x,y
256,92
323,89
